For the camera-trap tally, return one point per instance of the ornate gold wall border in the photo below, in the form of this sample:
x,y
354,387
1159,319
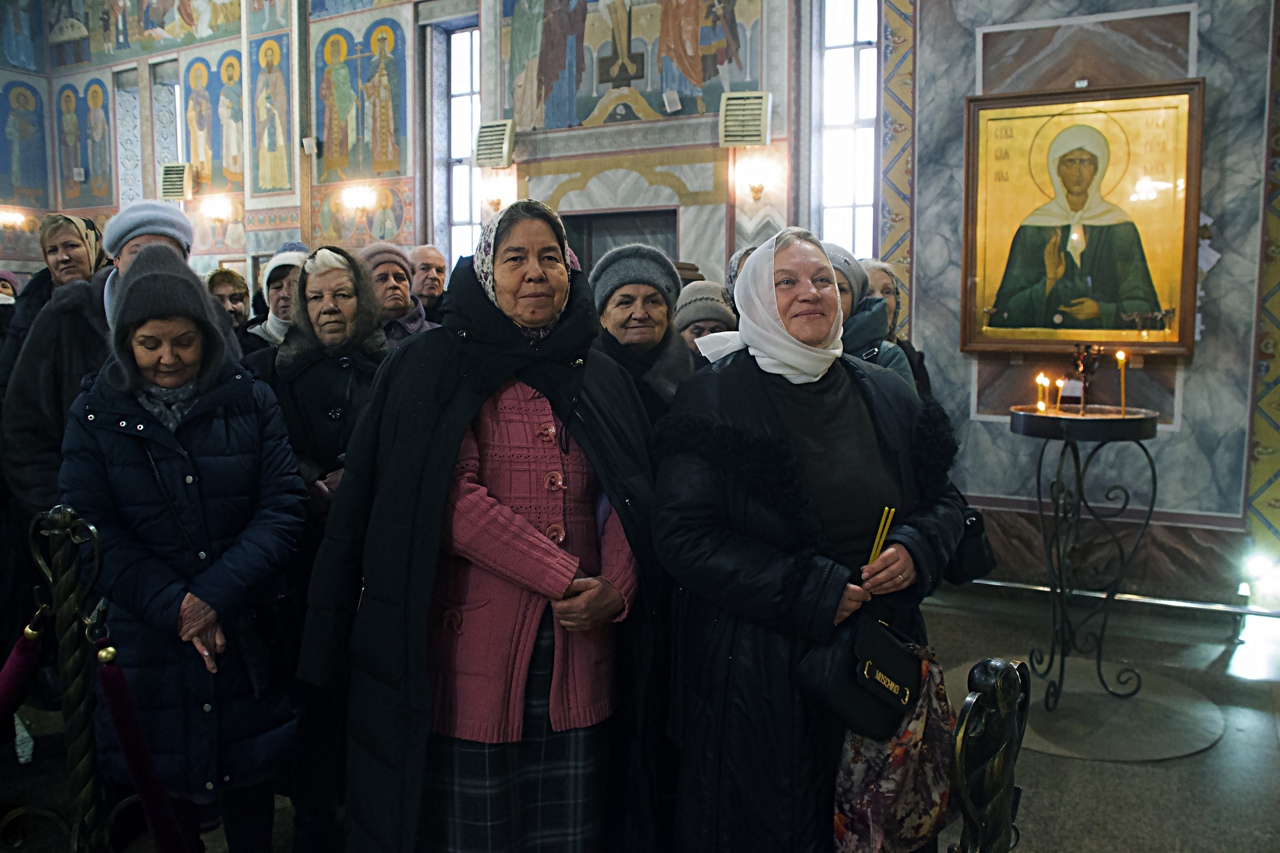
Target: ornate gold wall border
x,y
647,164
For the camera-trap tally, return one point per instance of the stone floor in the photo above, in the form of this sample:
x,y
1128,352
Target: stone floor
x,y
1223,800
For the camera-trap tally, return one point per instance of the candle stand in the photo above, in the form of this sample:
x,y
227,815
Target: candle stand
x,y
1083,632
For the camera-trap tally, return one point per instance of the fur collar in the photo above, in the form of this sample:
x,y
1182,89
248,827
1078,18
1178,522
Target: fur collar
x,y
296,352
83,298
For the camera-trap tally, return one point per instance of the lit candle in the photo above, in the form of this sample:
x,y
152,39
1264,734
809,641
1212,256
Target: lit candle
x,y
1058,406
1042,395
1121,361
1040,406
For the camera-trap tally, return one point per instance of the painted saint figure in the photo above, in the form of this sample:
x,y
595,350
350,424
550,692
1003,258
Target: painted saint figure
x,y
339,100
384,226
271,116
560,61
380,108
19,50
526,45
20,130
231,117
1076,262
696,37
69,144
200,122
99,144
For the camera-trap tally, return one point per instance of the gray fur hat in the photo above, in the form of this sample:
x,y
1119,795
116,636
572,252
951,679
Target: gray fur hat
x,y
146,217
843,262
158,285
634,263
704,300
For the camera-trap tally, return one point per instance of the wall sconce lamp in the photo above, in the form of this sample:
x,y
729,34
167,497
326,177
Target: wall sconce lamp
x,y
359,199
495,204
757,190
11,220
216,208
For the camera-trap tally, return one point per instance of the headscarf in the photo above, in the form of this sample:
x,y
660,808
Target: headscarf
x,y
487,248
87,231
495,349
761,332
1096,210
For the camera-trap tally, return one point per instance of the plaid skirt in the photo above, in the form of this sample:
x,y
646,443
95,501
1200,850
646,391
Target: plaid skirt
x,y
544,793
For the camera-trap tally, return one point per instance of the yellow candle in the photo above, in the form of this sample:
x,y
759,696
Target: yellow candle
x,y
1122,362
1041,394
1058,406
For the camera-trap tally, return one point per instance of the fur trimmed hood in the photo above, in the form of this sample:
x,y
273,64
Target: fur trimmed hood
x,y
297,352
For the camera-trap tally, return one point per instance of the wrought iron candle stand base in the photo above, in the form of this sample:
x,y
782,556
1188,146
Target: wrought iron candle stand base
x,y
1060,518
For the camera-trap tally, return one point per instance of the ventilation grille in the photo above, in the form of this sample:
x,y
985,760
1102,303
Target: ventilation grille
x,y
493,144
176,181
744,118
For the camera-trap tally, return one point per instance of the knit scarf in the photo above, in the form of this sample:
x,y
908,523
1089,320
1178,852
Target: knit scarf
x,y
168,405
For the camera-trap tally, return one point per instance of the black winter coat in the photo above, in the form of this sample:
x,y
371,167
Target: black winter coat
x,y
372,584
67,341
34,296
732,525
321,395
231,478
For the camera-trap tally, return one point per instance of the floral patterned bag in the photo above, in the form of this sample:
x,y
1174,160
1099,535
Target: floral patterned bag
x,y
891,796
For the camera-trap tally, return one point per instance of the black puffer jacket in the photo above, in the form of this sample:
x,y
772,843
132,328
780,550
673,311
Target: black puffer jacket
x,y
733,526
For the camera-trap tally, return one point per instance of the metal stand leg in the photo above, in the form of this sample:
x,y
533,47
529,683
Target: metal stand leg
x,y
1060,529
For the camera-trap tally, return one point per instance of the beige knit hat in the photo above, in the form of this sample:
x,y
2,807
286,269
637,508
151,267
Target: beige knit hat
x,y
704,300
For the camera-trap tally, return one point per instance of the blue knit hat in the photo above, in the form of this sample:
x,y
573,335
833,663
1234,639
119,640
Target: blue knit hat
x,y
146,217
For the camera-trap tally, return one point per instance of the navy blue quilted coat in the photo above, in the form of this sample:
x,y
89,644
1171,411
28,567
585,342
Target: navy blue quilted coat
x,y
231,475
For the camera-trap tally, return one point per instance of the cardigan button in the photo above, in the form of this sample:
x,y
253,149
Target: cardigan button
x,y
452,620
546,432
556,533
202,555
555,481
190,479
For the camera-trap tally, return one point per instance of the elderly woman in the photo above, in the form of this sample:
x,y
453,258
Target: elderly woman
x,y
232,292
279,280
865,316
776,464
703,309
179,458
322,375
635,288
72,250
882,281
480,572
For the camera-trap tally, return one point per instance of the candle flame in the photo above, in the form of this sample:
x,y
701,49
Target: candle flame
x,y
1060,383
1040,406
1120,355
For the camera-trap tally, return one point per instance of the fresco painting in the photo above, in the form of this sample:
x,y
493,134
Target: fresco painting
x,y
86,152
213,115
570,63
360,106
271,149
22,35
108,31
23,161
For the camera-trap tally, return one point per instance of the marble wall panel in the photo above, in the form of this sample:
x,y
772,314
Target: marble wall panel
x,y
1202,461
702,230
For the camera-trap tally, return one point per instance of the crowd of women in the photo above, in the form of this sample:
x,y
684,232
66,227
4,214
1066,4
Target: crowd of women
x,y
529,568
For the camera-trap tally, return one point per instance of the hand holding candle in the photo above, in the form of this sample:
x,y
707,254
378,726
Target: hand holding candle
x,y
1122,362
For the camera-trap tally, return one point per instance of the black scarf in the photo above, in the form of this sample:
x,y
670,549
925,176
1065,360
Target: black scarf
x,y
495,350
634,362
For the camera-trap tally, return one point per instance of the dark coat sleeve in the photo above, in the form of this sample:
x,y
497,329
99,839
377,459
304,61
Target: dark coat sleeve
x,y
337,578
132,575
46,379
262,548
707,552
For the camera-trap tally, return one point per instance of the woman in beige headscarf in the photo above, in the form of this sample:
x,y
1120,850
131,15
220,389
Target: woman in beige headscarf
x,y
72,249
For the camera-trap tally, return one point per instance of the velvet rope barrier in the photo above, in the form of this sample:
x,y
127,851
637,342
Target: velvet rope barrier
x,y
20,665
142,769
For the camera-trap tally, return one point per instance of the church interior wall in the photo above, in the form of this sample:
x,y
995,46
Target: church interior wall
x,y
605,148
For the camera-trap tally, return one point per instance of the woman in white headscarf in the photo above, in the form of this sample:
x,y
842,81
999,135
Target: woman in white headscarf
x,y
1077,262
775,466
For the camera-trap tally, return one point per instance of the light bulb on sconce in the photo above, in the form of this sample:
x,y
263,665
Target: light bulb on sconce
x,y
359,199
755,172
12,220
216,208
499,188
